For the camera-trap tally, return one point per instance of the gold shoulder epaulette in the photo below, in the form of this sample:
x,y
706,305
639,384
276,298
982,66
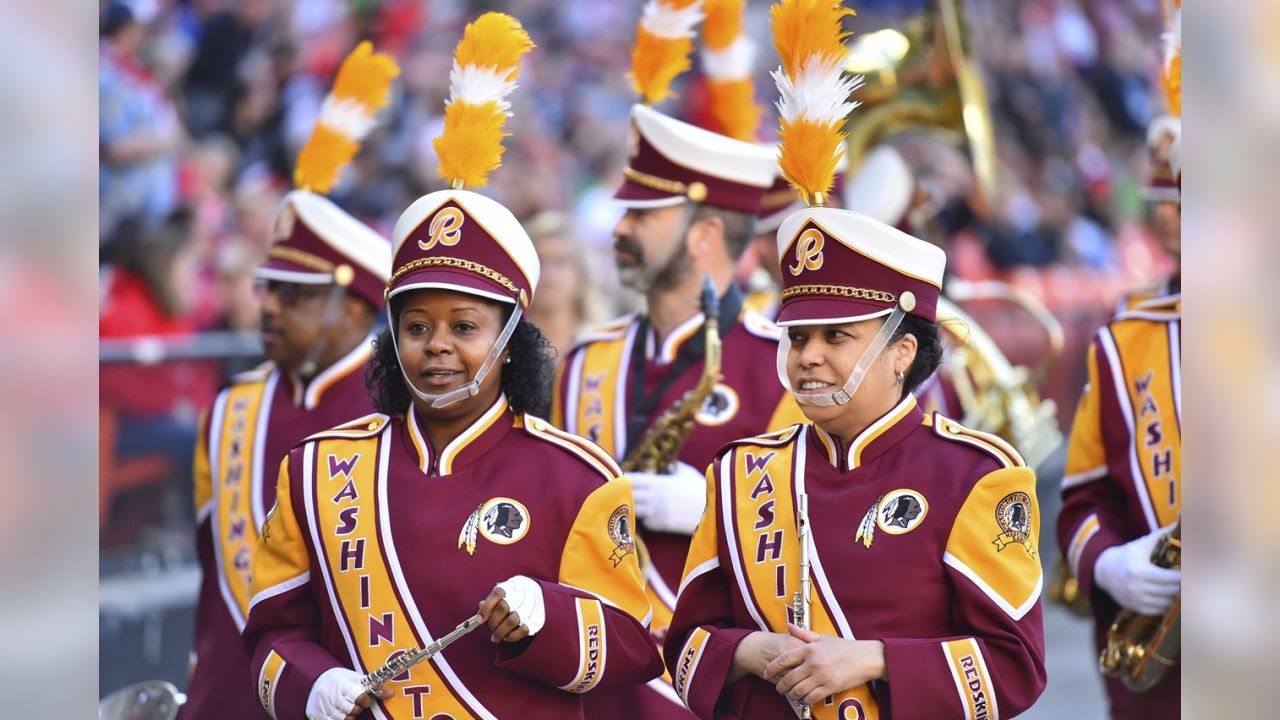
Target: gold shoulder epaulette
x,y
366,426
995,446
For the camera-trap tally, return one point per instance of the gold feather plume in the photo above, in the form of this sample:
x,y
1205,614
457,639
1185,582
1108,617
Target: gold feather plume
x,y
814,95
664,40
361,89
486,64
1171,75
727,61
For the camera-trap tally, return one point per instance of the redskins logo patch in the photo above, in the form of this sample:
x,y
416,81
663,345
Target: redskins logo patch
x,y
901,511
1013,515
808,253
500,520
624,542
285,222
720,406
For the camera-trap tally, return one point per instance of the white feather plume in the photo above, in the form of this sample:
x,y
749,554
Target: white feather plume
x,y
349,117
479,85
671,23
820,93
1173,39
732,63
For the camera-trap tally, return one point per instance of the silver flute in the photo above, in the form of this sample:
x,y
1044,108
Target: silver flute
x,y
408,659
800,599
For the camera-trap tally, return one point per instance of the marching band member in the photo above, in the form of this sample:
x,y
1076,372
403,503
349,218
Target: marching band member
x,y
359,561
1123,484
690,196
876,561
324,278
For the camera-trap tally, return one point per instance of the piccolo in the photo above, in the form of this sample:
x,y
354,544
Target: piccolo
x,y
409,658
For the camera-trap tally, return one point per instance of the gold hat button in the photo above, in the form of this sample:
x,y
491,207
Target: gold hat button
x,y
907,301
343,275
697,192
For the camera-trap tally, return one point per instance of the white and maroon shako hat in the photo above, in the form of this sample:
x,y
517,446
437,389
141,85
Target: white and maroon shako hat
x,y
317,243
882,187
1164,150
841,266
463,241
671,162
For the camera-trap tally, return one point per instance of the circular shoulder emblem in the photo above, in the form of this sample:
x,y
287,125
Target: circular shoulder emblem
x,y
901,511
720,406
503,520
1013,515
620,532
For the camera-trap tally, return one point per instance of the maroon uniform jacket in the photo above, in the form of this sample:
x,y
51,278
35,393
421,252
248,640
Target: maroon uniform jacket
x,y
594,397
252,425
922,535
1124,465
380,543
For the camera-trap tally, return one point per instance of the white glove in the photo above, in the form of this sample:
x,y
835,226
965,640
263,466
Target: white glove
x,y
670,503
334,695
1128,575
524,597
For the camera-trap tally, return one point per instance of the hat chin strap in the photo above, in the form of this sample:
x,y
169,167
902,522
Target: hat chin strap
x,y
844,394
468,389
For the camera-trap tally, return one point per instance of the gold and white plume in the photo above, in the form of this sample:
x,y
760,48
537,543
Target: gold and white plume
x,y
664,40
361,89
486,64
813,92
728,57
1171,73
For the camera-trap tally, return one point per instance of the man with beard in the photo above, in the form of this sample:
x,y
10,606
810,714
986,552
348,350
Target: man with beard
x,y
690,197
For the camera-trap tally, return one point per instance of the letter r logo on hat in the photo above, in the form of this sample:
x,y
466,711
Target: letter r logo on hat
x,y
445,229
808,251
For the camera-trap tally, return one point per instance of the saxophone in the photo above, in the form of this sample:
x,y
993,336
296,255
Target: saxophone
x,y
657,450
1141,648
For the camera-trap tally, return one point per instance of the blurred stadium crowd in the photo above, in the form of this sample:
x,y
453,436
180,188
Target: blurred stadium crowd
x,y
204,104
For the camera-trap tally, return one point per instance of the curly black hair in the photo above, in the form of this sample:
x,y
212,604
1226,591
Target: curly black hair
x,y
928,349
526,380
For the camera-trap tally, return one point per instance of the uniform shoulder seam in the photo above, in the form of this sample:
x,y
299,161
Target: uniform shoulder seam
x,y
777,438
361,427
590,454
760,326
1000,450
253,375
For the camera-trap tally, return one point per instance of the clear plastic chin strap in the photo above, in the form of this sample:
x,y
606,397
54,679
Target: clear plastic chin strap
x,y
468,389
844,394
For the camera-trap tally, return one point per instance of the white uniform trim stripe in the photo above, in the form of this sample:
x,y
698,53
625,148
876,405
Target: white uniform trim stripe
x,y
1080,540
961,687
645,204
258,469
1126,409
731,540
705,637
620,394
280,588
993,707
582,649
1085,476
693,574
666,691
216,420
1016,613
572,447
570,409
393,560
824,587
1175,368
660,587
308,492
204,511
